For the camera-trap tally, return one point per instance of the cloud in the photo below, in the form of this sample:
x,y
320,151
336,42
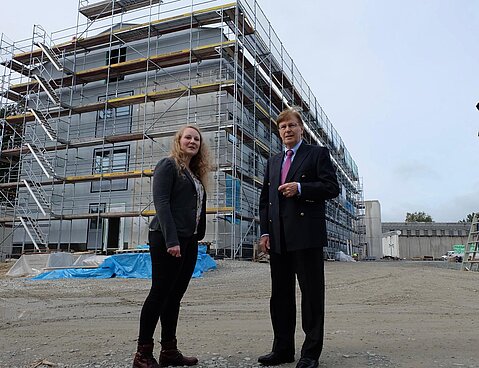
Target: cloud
x,y
416,170
457,207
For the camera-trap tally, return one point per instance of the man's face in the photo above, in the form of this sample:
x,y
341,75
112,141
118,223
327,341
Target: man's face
x,y
290,131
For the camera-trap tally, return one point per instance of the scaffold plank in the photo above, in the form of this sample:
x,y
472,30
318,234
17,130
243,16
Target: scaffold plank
x,y
109,176
243,22
17,67
144,213
120,175
139,65
128,100
109,8
136,32
117,138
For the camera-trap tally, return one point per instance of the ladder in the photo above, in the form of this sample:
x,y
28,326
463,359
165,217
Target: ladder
x,y
34,232
51,56
40,156
48,89
31,226
42,119
471,248
2,132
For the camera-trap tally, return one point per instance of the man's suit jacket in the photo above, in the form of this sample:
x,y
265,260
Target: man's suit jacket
x,y
175,199
303,216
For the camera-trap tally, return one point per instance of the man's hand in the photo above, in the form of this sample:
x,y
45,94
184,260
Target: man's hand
x,y
174,251
264,243
289,189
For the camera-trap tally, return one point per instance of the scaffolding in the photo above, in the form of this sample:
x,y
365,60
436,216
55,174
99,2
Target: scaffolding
x,y
86,113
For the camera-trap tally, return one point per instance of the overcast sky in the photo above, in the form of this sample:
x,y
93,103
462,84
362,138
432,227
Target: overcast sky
x,y
399,80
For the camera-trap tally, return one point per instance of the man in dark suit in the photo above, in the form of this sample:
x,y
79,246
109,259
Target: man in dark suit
x,y
293,226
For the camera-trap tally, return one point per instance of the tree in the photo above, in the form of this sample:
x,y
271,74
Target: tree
x,y
418,217
468,218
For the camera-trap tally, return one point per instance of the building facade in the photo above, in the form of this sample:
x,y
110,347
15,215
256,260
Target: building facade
x,y
409,240
87,112
372,224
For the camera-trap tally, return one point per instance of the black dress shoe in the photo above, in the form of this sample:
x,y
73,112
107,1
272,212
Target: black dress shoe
x,y
307,363
276,358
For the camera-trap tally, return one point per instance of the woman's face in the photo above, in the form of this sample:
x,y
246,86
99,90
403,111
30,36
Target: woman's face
x,y
190,142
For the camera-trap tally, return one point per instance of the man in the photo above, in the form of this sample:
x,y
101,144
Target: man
x,y
293,227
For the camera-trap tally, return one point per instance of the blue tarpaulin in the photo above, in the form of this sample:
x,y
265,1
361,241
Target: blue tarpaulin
x,y
128,265
203,263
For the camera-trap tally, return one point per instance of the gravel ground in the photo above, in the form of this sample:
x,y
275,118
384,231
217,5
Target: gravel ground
x,y
378,314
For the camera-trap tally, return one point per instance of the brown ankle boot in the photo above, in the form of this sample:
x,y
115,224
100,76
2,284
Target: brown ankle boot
x,y
144,357
171,356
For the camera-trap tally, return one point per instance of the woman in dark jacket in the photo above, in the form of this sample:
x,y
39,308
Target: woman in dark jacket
x,y
179,196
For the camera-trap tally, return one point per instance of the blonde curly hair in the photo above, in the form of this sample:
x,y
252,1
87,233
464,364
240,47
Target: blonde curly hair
x,y
199,163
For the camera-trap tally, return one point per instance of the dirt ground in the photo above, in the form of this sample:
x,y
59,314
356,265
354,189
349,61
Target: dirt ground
x,y
378,314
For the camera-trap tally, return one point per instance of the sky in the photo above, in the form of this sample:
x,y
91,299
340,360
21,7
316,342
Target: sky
x,y
398,79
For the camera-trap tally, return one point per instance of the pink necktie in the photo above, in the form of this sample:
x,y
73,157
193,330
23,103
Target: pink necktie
x,y
286,165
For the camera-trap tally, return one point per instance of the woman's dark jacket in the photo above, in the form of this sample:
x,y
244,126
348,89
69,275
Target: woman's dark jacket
x,y
175,199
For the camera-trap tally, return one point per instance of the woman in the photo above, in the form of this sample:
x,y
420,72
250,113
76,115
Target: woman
x,y
180,201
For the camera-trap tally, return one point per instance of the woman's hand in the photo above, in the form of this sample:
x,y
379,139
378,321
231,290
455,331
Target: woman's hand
x,y
174,251
264,245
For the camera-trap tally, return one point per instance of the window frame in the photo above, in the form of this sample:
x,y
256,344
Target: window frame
x,y
99,167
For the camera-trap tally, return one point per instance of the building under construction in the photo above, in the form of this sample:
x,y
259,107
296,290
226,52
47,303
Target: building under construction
x,y
87,112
